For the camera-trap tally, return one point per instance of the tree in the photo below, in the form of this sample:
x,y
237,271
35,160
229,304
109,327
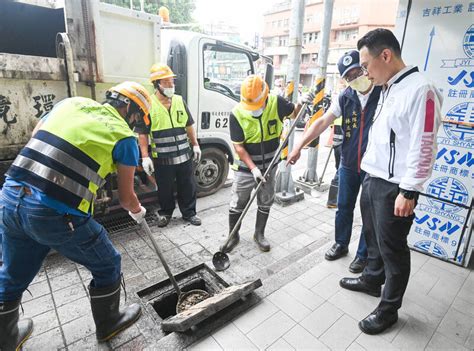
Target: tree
x,y
180,10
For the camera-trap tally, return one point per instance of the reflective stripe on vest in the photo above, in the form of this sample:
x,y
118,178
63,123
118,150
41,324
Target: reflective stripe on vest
x,y
71,155
169,140
262,135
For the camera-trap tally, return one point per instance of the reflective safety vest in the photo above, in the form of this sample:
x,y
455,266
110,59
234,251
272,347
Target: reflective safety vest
x,y
169,140
71,154
261,135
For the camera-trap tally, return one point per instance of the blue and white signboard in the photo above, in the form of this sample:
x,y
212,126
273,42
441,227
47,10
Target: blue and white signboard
x,y
438,37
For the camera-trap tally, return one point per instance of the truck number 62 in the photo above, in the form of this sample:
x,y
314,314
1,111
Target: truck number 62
x,y
221,122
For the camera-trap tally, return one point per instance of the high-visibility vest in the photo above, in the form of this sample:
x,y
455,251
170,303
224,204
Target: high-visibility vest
x,y
261,135
169,140
71,154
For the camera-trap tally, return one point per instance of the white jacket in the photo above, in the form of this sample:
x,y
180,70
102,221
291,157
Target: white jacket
x,y
402,141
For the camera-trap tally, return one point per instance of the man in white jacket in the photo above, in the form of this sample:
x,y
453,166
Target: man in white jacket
x,y
398,160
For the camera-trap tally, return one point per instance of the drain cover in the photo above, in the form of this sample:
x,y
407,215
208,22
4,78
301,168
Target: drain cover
x,y
207,308
118,222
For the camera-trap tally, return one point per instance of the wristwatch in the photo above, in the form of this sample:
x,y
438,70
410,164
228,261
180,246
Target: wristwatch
x,y
408,194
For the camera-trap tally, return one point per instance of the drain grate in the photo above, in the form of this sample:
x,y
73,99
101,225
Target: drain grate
x,y
118,222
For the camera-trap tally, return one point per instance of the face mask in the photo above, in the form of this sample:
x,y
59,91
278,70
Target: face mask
x,y
258,112
360,84
169,92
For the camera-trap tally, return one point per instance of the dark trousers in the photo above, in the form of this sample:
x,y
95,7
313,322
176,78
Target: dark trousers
x,y
349,185
165,176
386,236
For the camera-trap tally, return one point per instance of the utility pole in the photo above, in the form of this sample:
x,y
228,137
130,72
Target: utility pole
x,y
286,194
309,180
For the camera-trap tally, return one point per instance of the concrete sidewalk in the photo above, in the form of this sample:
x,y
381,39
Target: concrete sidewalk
x,y
300,304
313,313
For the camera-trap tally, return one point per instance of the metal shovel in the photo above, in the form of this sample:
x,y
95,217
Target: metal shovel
x,y
186,299
221,260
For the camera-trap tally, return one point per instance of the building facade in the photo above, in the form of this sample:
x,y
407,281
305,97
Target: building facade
x,y
351,20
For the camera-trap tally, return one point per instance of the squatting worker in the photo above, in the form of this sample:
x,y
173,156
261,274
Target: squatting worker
x,y
47,203
255,128
356,104
398,160
171,131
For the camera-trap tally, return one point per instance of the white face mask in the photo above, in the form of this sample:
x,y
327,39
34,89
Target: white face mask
x,y
258,112
361,84
169,92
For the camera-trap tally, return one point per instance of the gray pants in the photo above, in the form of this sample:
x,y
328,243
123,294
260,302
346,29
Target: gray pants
x,y
242,189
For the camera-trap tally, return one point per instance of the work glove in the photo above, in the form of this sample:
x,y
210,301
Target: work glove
x,y
197,153
308,98
257,175
139,217
147,164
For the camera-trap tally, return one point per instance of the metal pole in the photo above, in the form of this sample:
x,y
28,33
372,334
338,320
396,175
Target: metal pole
x,y
285,189
310,177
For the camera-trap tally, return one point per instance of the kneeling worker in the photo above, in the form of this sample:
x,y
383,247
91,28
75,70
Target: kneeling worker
x,y
255,128
47,203
171,131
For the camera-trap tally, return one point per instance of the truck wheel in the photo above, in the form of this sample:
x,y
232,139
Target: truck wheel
x,y
211,172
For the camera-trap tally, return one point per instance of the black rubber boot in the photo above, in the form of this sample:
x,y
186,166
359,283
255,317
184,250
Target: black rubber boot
x,y
233,219
13,333
259,236
109,319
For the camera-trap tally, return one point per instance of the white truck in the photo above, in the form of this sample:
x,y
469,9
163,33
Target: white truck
x,y
438,37
84,47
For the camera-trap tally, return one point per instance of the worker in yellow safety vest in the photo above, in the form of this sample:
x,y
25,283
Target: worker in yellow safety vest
x,y
255,128
47,203
171,133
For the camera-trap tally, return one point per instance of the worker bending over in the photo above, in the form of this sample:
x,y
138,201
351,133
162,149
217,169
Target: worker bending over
x,y
47,203
255,128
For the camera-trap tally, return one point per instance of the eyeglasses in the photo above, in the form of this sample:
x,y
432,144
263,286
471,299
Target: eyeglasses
x,y
350,77
364,67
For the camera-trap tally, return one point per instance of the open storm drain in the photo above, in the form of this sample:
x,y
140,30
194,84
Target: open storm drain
x,y
163,298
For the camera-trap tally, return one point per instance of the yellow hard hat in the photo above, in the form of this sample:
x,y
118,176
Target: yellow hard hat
x,y
253,93
136,93
160,71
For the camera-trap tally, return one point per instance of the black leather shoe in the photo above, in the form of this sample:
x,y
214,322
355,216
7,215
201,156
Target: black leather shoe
x,y
358,265
377,322
335,252
163,221
358,284
194,220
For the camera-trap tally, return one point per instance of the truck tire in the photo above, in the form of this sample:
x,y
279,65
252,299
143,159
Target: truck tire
x,y
211,171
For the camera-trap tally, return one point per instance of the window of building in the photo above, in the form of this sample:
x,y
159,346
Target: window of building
x,y
315,37
347,34
305,58
283,59
267,42
286,22
314,57
280,23
309,18
284,41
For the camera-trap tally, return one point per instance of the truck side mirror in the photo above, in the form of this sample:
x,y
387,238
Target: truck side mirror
x,y
269,75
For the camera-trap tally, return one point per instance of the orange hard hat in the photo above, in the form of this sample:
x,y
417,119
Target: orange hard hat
x,y
160,71
134,92
253,93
